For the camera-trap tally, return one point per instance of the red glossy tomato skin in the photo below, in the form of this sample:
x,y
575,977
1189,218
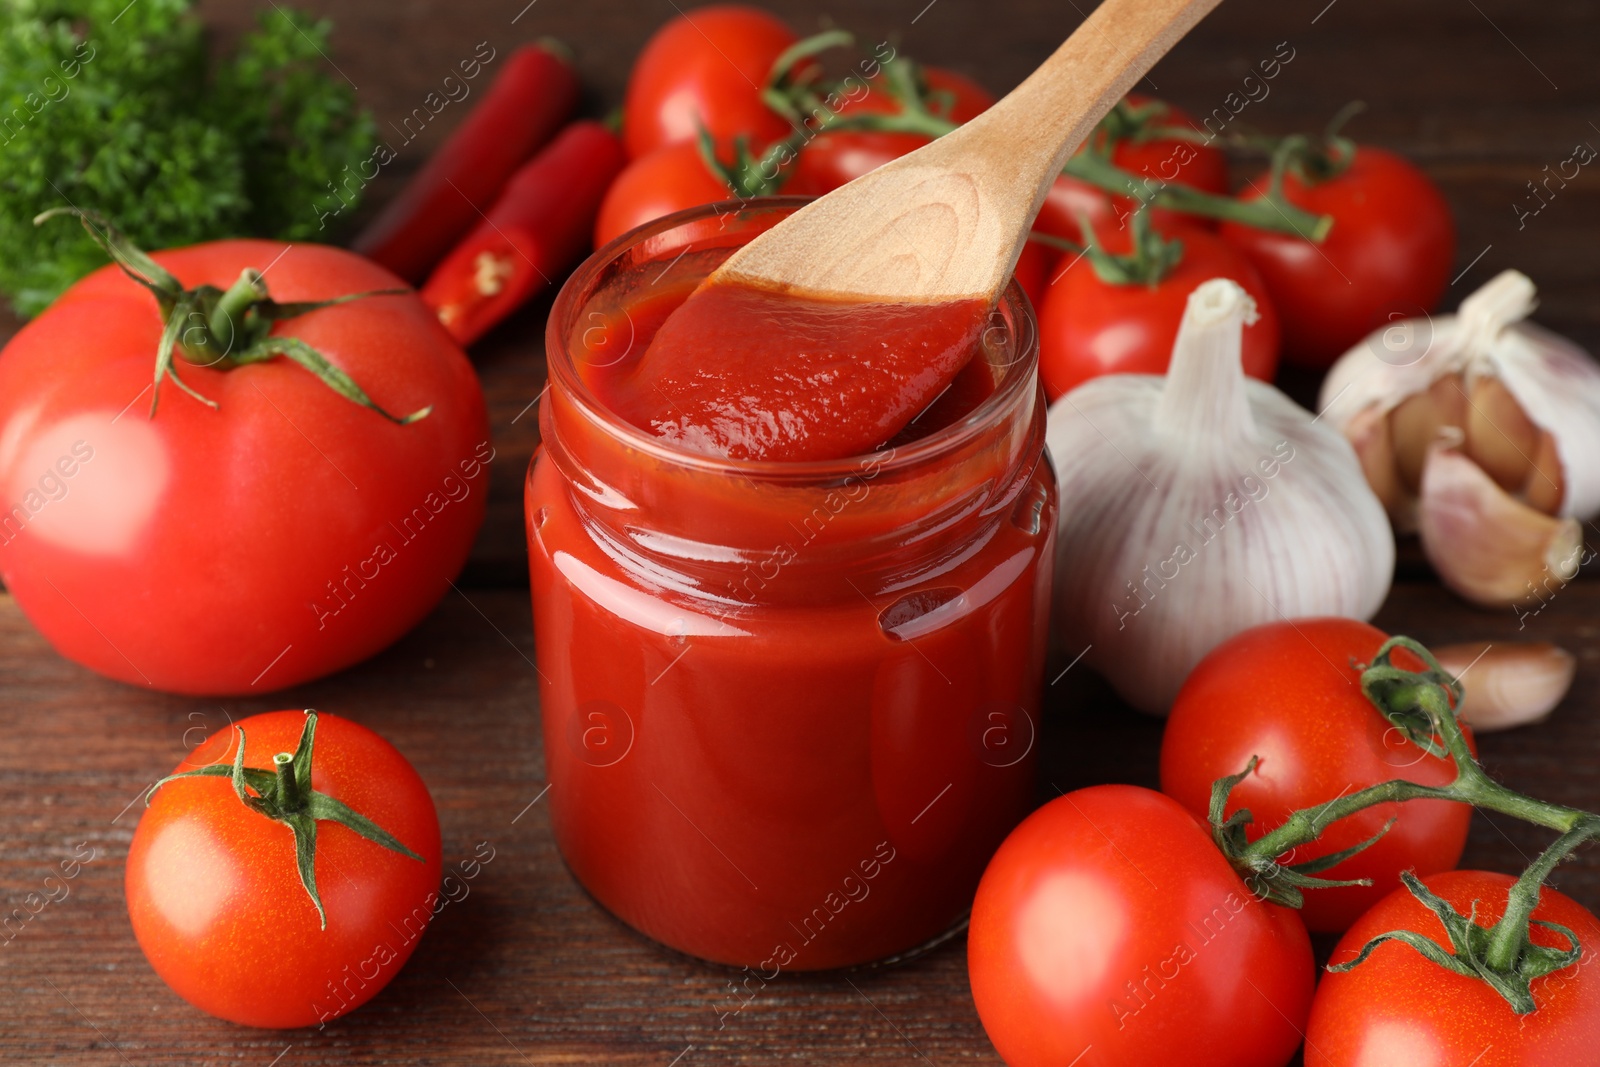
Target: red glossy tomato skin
x,y
1399,1008
1290,694
667,180
1388,255
1109,921
216,901
1160,161
282,536
1088,327
705,66
830,160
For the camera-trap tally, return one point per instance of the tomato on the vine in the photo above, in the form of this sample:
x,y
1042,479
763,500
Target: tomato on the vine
x,y
833,158
1089,327
216,894
1387,256
1290,694
263,525
1110,921
669,179
1156,159
1397,1007
705,68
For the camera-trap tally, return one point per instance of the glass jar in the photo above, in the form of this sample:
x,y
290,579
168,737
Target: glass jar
x,y
788,708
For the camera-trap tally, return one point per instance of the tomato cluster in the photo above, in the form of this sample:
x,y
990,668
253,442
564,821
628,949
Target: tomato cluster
x,y
1111,920
700,125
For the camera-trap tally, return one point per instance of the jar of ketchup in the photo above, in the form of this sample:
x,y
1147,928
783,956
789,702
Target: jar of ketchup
x,y
789,708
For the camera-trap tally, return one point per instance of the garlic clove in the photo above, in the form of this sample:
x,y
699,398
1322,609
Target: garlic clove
x,y
1546,484
1508,684
1370,435
1488,547
1557,384
1417,420
1499,437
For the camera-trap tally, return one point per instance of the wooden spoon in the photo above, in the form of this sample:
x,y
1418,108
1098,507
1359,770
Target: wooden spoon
x,y
824,337
948,221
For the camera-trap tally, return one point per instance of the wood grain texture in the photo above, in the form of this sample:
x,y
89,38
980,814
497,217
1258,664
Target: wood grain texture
x,y
947,221
525,968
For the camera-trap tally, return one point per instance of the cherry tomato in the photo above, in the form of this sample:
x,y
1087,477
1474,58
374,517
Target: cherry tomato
x,y
1108,921
667,180
1397,1007
282,535
830,160
216,898
1088,327
1388,254
1290,693
706,66
1158,160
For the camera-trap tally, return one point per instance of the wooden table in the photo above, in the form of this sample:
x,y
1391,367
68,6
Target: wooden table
x,y
525,968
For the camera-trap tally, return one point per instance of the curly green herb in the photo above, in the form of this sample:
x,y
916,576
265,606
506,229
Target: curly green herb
x,y
115,107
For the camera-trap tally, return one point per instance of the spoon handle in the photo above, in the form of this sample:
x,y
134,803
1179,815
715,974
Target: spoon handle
x,y
1043,121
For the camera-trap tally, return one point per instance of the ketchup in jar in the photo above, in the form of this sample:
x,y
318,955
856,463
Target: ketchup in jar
x,y
789,704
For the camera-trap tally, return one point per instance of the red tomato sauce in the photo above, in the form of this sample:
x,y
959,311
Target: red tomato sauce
x,y
788,707
751,373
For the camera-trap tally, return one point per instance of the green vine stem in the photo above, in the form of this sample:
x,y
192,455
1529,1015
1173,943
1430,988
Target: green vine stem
x,y
1422,704
814,107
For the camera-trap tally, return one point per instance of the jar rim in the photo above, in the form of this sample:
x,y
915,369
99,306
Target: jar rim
x,y
558,358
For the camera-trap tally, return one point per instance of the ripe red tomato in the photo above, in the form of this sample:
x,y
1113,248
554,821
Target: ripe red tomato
x,y
215,895
1388,254
706,66
283,535
1088,327
1290,693
1398,1007
1158,160
830,160
1109,921
667,180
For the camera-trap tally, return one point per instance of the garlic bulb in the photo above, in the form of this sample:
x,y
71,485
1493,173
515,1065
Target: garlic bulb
x,y
1199,504
1481,432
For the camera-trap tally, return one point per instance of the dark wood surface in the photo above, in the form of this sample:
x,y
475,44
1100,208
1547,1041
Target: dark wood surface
x,y
525,968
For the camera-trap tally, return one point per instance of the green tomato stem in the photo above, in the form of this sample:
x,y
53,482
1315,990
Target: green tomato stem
x,y
1508,938
1422,704
288,796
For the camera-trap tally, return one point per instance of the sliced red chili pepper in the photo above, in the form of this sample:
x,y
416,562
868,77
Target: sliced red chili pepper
x,y
530,100
532,235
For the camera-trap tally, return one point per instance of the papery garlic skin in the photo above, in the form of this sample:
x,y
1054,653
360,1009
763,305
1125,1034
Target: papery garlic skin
x,y
1200,504
1496,511
1555,382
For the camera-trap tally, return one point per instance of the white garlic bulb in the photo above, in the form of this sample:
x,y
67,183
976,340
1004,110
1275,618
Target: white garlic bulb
x,y
1481,432
1199,504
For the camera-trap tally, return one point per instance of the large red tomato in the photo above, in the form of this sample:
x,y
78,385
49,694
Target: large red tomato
x,y
1397,1007
215,894
284,534
1290,693
1089,327
1109,930
1156,160
1388,254
705,67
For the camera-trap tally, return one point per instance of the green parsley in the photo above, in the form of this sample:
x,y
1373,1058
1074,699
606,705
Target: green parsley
x,y
115,107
